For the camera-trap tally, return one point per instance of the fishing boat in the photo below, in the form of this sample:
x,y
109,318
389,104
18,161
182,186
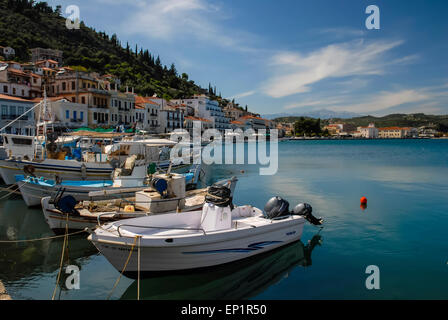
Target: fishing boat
x,y
220,233
126,181
50,156
166,193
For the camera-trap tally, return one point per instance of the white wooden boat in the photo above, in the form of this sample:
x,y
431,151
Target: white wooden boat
x,y
215,235
125,184
91,167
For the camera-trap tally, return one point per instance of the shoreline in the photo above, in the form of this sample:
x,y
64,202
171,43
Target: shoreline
x,y
351,138
3,294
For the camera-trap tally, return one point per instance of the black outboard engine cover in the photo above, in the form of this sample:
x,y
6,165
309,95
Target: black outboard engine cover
x,y
276,207
305,210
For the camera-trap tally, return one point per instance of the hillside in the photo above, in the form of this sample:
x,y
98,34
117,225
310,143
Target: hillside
x,y
402,120
25,25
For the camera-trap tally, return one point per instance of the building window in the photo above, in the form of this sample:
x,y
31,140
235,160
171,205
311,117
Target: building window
x,y
73,85
4,111
20,109
81,115
63,86
83,100
107,117
5,89
13,90
74,115
67,114
95,116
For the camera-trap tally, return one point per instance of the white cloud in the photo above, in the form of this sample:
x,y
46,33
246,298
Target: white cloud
x,y
243,94
173,20
410,100
296,72
385,100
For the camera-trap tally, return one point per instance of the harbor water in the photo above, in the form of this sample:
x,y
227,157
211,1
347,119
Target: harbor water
x,y
402,232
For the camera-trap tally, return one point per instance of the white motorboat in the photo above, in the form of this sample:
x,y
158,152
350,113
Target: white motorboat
x,y
217,234
167,193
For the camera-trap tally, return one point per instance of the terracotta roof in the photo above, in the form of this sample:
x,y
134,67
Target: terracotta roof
x,y
196,119
236,122
18,72
4,96
140,100
390,128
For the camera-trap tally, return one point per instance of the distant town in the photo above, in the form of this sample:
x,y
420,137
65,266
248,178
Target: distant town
x,y
80,99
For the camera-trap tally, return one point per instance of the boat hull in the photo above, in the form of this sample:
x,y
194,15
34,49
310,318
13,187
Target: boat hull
x,y
32,193
212,250
57,221
50,169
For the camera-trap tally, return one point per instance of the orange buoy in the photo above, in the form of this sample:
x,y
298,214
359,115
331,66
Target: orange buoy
x,y
363,200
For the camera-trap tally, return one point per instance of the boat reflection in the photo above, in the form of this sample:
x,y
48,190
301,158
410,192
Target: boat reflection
x,y
239,280
25,260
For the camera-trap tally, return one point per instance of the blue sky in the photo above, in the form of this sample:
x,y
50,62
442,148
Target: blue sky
x,y
294,56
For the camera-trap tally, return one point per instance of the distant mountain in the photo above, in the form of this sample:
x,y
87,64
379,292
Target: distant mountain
x,y
322,114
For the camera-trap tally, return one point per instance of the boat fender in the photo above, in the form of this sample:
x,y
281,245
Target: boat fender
x,y
305,210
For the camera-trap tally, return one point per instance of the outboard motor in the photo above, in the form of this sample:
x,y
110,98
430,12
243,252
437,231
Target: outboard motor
x,y
305,210
276,207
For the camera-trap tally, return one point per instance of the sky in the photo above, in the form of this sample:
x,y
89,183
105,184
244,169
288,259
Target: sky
x,y
293,56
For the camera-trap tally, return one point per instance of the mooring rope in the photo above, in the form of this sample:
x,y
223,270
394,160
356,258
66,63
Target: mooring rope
x,y
62,257
11,191
138,268
124,268
41,239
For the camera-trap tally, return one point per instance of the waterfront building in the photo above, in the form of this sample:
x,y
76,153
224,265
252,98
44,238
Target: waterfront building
x,y
122,108
369,132
151,114
205,123
11,108
171,118
397,132
65,113
80,87
253,122
207,109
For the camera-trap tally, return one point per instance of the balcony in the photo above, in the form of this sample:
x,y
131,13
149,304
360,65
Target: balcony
x,y
12,117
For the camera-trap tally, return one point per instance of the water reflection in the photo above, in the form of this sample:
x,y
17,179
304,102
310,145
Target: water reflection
x,y
239,280
25,260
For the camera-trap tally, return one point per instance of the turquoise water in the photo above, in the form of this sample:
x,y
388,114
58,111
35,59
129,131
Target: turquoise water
x,y
403,231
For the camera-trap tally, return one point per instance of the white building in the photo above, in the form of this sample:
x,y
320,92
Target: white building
x,y
11,108
369,132
67,114
171,118
208,109
151,119
122,108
